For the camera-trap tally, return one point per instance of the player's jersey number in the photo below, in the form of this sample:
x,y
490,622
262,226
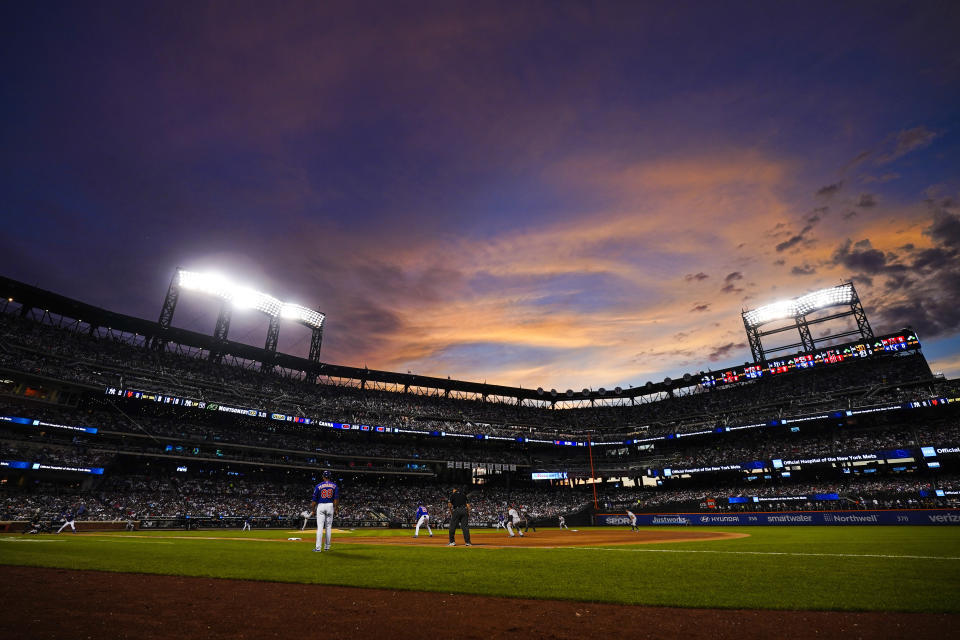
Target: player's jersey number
x,y
326,494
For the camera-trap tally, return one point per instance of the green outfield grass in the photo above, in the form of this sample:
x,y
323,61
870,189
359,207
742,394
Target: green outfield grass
x,y
839,568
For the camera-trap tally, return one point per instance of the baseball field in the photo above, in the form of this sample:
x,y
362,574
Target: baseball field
x,y
895,581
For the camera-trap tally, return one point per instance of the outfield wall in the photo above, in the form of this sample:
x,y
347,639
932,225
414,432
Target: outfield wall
x,y
911,516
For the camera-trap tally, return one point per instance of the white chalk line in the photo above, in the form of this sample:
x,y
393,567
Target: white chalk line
x,y
129,541
28,540
97,538
774,553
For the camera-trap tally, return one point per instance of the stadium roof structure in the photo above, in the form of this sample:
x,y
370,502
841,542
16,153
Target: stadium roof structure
x,y
31,298
244,297
154,333
233,295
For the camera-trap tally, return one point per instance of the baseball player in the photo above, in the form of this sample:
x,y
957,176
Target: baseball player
x,y
68,521
633,520
422,518
35,525
563,523
326,498
501,523
513,520
526,520
246,523
306,518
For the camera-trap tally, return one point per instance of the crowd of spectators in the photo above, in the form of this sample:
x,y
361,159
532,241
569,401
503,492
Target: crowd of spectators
x,y
49,454
160,430
857,492
140,498
201,434
765,445
130,430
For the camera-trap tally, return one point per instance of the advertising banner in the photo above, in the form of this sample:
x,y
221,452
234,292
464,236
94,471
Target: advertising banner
x,y
912,516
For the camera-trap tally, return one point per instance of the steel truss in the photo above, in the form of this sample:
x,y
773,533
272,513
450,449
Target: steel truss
x,y
801,323
222,328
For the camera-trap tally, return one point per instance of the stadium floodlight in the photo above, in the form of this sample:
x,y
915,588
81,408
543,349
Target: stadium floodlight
x,y
242,297
209,283
833,296
307,316
774,311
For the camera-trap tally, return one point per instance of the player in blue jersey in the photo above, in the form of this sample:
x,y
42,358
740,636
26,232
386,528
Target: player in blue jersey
x,y
69,520
246,523
326,498
423,517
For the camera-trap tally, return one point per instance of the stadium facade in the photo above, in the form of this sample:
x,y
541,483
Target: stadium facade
x,y
103,410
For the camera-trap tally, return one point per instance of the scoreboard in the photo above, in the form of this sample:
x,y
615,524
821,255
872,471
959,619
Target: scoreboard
x,y
894,342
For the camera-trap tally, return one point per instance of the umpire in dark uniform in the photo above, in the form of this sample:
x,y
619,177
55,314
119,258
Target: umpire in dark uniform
x,y
459,516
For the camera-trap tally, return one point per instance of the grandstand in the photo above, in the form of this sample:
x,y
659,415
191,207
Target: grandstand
x,y
141,421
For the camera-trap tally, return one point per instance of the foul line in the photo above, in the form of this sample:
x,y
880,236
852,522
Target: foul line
x,y
772,553
28,540
129,541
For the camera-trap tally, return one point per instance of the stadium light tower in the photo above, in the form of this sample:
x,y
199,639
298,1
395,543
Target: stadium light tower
x,y
797,310
233,296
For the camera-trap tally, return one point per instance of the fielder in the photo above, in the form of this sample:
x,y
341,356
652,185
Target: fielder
x,y
422,518
306,518
246,524
563,523
633,520
513,520
326,498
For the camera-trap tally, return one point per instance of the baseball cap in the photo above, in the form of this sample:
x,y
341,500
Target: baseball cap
x,y
326,473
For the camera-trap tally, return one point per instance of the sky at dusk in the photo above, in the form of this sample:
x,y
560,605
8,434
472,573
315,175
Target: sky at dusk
x,y
556,194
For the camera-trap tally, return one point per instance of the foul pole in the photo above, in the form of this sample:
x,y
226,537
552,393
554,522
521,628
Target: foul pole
x,y
592,476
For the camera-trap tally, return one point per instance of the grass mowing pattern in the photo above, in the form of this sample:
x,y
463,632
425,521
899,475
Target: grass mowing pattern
x,y
634,574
